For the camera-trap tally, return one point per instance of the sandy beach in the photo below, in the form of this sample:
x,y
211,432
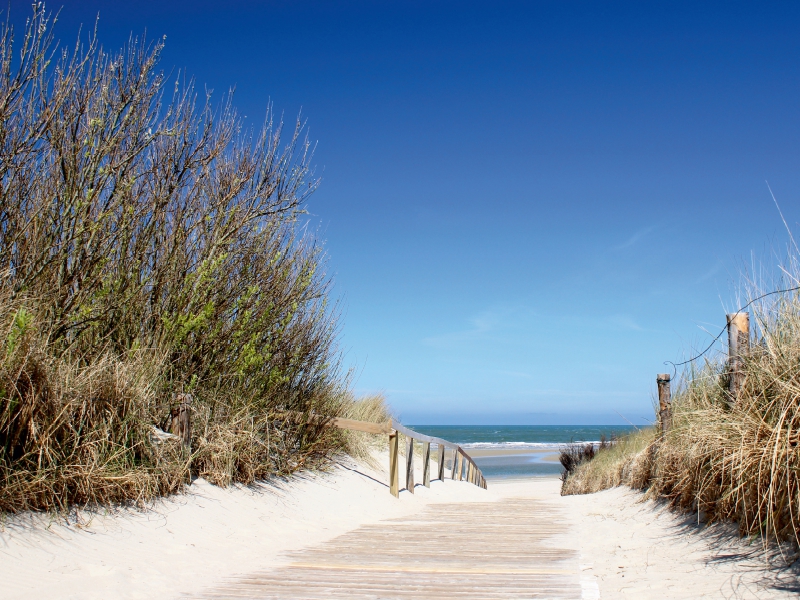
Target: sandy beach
x,y
251,542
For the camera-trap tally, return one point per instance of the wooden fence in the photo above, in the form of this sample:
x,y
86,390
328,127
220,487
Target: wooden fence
x,y
738,325
462,468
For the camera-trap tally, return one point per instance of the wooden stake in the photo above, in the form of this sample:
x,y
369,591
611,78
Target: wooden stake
x,y
426,464
410,465
393,448
664,401
181,419
441,462
738,345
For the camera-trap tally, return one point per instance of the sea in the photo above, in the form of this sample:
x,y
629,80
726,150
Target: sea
x,y
515,451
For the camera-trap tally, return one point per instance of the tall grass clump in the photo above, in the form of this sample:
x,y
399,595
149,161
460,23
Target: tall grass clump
x,y
371,408
738,458
627,460
150,245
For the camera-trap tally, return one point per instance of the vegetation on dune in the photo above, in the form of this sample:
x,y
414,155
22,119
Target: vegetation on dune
x,y
624,461
733,458
150,245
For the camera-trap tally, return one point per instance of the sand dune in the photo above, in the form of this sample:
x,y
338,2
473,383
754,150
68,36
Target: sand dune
x,y
212,542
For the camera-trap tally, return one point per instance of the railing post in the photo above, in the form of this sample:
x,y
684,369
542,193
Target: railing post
x,y
454,467
426,464
738,344
393,448
181,420
664,401
410,465
441,462
460,466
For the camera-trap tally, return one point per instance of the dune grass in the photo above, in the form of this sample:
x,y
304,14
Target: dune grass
x,y
627,460
373,408
726,458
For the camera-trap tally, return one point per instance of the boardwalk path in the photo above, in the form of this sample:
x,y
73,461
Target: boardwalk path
x,y
472,550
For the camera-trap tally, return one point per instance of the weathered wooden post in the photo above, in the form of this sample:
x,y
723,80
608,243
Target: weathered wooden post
x,y
454,466
738,345
664,401
441,462
393,451
460,466
426,464
410,465
181,419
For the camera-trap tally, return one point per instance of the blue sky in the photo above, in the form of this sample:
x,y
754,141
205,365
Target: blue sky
x,y
528,207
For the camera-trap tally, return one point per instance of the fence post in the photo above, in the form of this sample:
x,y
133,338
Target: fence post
x,y
460,466
441,462
738,344
393,448
426,464
181,419
410,465
664,401
453,468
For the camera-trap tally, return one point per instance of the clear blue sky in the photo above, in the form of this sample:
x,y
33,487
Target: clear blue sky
x,y
528,206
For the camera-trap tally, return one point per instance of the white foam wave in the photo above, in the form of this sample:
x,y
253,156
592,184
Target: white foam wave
x,y
524,445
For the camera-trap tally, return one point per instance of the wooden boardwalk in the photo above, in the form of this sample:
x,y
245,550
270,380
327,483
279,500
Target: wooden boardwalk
x,y
462,550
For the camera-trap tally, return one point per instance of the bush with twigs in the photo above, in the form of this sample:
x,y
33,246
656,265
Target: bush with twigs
x,y
150,245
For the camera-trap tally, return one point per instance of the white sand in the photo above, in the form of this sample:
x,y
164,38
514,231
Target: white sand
x,y
193,542
631,548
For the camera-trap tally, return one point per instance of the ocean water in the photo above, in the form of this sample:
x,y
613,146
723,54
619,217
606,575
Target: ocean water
x,y
513,451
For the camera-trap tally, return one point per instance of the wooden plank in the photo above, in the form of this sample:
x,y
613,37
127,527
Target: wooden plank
x,y
364,426
426,464
181,419
454,467
441,462
460,467
410,465
509,548
420,437
393,451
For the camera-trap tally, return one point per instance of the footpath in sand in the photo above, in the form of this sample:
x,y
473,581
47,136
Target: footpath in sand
x,y
343,535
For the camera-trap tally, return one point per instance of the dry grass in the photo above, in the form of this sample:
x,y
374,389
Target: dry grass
x,y
628,460
371,408
75,433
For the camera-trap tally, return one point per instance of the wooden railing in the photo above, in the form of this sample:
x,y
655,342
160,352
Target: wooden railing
x,y
463,467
